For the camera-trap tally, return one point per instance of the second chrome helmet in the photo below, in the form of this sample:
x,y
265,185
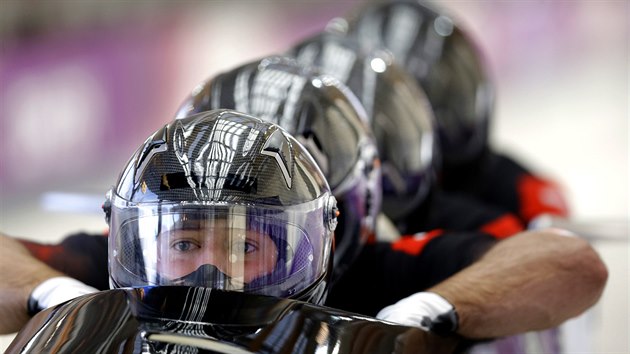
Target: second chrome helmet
x,y
326,118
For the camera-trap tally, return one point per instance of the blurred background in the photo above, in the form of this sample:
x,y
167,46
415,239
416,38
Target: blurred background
x,y
83,83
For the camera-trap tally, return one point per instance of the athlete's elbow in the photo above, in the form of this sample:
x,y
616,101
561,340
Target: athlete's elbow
x,y
589,271
593,269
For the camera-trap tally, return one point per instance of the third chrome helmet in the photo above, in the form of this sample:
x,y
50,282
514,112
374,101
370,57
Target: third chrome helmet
x,y
446,63
399,113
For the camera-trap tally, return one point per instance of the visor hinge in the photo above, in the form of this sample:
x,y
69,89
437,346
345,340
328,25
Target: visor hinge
x,y
331,214
107,206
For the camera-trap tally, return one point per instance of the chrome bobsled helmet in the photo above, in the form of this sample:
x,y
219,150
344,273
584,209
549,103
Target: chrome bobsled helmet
x,y
330,122
222,200
399,113
443,60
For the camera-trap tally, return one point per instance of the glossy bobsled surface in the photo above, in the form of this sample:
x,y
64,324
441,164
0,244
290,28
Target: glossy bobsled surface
x,y
183,319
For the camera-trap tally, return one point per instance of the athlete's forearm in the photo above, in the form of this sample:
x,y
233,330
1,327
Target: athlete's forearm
x,y
532,281
21,273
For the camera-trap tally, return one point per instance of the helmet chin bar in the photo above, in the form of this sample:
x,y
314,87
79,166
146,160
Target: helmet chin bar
x,y
205,274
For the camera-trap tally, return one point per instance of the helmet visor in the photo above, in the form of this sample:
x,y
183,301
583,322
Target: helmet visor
x,y
233,247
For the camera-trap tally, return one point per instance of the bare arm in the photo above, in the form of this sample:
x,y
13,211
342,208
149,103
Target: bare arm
x,y
20,273
531,281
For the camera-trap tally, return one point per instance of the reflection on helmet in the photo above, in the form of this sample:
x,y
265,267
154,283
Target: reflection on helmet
x,y
443,60
322,114
399,113
223,200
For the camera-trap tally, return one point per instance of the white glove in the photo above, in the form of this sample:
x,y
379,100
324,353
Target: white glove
x,y
55,291
426,310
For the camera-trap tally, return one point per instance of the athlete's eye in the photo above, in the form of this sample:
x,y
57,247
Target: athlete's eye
x,y
244,247
249,247
184,246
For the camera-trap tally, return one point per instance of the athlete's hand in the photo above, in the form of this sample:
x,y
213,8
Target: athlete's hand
x,y
426,310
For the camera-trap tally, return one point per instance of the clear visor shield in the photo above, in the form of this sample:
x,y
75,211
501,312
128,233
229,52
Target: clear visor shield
x,y
240,248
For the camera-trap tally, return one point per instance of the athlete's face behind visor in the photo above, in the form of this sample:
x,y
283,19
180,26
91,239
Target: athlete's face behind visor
x,y
239,253
240,248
